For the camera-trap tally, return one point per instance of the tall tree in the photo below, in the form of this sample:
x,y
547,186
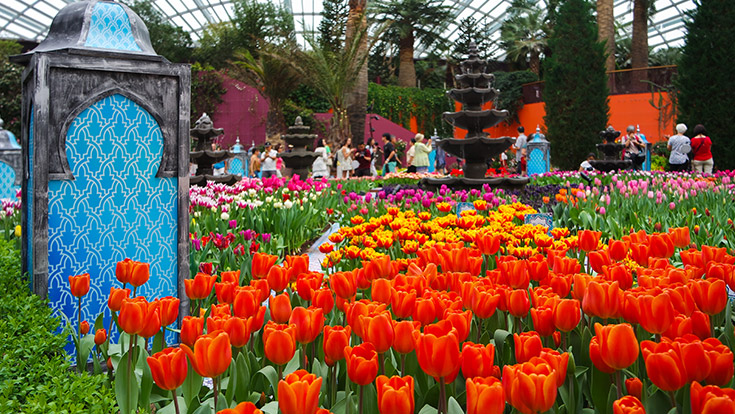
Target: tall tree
x,y
169,41
524,34
412,20
639,42
356,100
606,31
705,80
576,85
333,24
470,30
10,84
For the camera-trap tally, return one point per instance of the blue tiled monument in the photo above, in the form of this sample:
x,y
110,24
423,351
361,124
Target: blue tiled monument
x,y
539,153
106,153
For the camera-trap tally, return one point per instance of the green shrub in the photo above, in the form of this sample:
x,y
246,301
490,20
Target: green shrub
x,y
35,375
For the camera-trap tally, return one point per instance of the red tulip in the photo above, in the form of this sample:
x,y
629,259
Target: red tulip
x,y
599,259
243,408
362,363
403,303
543,320
710,295
618,345
280,307
664,365
656,313
378,330
588,240
485,396
596,357
279,342
437,350
566,314
343,284
628,405
712,399
527,346
336,339
617,249
84,328
518,303
238,331
191,329
169,310
602,299
278,278
168,368
530,387
130,271
477,360
308,322
634,386
200,287
247,302
395,394
114,302
211,355
100,337
261,264
323,299
225,292
485,302
403,332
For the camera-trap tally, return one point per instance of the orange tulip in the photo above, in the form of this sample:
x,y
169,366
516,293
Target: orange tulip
x,y
680,236
280,307
634,386
527,346
168,368
79,285
191,329
362,363
710,295
114,302
618,345
243,408
437,350
232,276
461,321
308,322
566,314
395,394
278,278
238,331
298,393
362,307
518,302
84,328
381,291
297,265
307,283
261,264
132,315
247,302
538,269
225,292
664,365
558,362
336,339
477,360
130,271
403,332
200,287
588,240
323,299
378,330
100,337
255,322
169,310
660,245
721,362
425,311
488,243
530,387
692,257
618,272
596,357
713,254
628,405
602,299
379,267
211,355
485,303
712,399
566,265
279,342
656,313
617,249
543,320
598,259
516,272
343,284
640,254
485,396
151,320
403,303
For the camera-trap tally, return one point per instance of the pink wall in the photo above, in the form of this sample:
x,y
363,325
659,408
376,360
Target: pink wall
x,y
242,113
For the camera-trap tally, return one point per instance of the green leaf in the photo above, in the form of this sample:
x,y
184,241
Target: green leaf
x,y
203,409
293,364
341,405
126,387
499,339
192,385
271,375
146,384
427,409
171,408
157,343
85,348
600,388
270,408
453,407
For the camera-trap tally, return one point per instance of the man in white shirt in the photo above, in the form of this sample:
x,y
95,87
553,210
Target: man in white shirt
x,y
520,146
268,167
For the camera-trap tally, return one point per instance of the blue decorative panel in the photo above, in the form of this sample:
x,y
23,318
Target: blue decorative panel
x,y
114,208
536,162
7,181
29,201
236,166
109,28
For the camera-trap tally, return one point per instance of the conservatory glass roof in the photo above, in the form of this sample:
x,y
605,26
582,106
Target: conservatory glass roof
x,y
30,19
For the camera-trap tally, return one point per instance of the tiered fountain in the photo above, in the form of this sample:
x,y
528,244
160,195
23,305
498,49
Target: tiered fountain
x,y
611,159
204,133
475,89
299,159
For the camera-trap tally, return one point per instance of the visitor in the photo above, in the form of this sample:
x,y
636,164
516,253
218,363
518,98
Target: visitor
x,y
680,146
254,169
268,166
702,160
218,168
363,158
391,156
421,154
344,160
375,151
319,168
440,160
409,156
634,148
521,146
279,161
586,166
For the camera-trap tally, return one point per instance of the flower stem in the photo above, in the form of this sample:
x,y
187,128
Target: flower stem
x,y
280,372
403,365
214,384
130,361
442,397
673,401
359,406
176,401
333,374
79,335
304,359
619,383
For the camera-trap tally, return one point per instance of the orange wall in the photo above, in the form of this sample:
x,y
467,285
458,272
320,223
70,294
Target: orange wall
x,y
630,109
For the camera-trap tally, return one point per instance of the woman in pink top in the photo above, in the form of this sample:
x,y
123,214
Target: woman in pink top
x,y
701,151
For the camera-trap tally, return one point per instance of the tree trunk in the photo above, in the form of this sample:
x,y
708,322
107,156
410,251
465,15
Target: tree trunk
x,y
639,45
534,62
606,31
406,70
275,123
357,98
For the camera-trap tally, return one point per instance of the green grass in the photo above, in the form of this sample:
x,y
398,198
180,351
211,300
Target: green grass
x,y
35,375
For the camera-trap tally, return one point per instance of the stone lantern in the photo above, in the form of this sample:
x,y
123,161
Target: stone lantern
x,y
105,136
539,153
11,164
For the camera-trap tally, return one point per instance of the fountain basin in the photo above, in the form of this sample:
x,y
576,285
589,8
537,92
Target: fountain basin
x,y
475,121
473,96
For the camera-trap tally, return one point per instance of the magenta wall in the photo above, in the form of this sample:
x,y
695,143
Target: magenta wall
x,y
242,113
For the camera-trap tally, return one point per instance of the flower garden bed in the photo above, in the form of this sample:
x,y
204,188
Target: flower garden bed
x,y
623,306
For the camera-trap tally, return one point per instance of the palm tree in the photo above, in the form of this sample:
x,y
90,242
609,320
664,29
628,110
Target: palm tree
x,y
412,20
524,34
273,77
358,96
606,31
